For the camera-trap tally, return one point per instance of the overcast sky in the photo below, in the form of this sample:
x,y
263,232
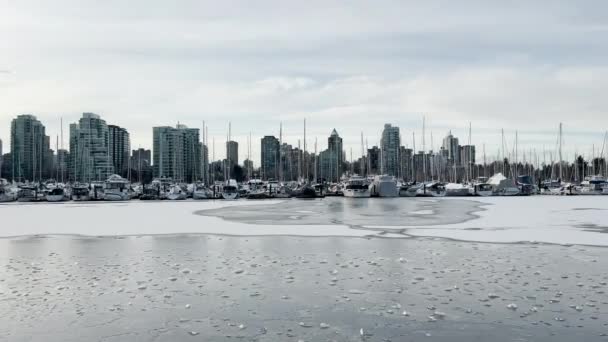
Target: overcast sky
x,y
352,65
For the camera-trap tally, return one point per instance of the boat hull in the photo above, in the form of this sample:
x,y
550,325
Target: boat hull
x,y
230,195
116,196
357,193
199,195
55,198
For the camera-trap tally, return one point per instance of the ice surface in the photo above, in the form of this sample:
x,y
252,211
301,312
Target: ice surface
x,y
543,219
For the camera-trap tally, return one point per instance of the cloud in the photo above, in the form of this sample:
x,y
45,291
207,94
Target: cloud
x,y
353,66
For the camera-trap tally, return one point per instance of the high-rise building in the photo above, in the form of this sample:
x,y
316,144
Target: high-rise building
x,y
62,159
232,153
373,160
270,155
29,148
331,160
89,149
141,159
451,146
390,145
120,146
406,156
176,153
422,167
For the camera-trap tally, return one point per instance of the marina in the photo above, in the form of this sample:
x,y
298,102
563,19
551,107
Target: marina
x,y
391,269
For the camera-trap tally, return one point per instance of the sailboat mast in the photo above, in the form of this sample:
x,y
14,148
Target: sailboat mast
x,y
560,152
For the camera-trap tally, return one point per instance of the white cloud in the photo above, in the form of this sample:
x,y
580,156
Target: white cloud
x,y
353,66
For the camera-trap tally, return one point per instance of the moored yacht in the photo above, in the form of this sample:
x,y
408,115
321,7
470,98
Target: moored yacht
x,y
116,188
201,192
230,190
29,193
56,194
80,192
457,190
6,193
593,185
257,189
432,189
357,187
176,193
384,186
502,186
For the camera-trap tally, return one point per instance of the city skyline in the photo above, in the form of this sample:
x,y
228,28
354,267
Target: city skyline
x,y
353,66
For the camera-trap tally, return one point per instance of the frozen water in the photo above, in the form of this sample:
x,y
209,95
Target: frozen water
x,y
538,219
375,270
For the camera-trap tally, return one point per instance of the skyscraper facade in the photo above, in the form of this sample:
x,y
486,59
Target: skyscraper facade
x,y
120,146
29,146
331,160
270,156
373,160
176,153
452,148
232,153
89,149
390,145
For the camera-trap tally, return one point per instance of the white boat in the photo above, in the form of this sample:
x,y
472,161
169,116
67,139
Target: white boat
x,y
384,186
116,188
230,190
201,192
482,189
593,185
6,193
80,192
432,189
457,190
409,190
176,193
29,193
502,186
56,195
357,187
96,191
257,189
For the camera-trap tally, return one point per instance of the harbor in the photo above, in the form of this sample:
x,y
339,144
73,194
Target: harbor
x,y
433,269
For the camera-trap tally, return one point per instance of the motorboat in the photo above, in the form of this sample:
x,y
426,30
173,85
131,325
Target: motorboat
x,y
593,185
357,187
409,189
6,193
457,190
257,189
432,189
526,185
482,189
96,191
150,192
384,186
502,186
116,188
56,195
176,193
306,191
80,192
29,193
201,192
230,190
334,189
